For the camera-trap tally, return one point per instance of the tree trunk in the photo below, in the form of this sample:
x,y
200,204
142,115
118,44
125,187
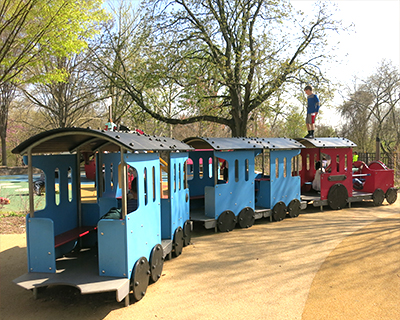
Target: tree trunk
x,y
3,150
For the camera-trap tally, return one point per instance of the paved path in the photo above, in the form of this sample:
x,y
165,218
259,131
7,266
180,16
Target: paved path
x,y
322,265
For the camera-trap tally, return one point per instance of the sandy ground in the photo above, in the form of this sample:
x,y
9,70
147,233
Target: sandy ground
x,y
322,265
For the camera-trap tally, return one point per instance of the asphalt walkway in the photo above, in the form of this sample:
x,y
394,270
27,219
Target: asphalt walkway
x,y
321,265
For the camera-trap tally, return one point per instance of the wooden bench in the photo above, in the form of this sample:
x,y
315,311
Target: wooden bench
x,y
73,234
197,197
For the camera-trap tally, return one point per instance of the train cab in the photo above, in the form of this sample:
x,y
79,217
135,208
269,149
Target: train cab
x,y
333,158
221,181
106,238
277,182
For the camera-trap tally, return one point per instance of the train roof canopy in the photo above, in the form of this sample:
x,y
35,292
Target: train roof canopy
x,y
90,140
219,144
243,143
280,143
327,143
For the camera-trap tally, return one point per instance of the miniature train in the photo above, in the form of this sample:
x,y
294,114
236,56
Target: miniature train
x,y
219,182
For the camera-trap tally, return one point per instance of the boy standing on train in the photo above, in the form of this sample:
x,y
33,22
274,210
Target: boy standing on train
x,y
312,111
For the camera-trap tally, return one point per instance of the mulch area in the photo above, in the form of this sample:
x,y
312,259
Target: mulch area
x,y
12,225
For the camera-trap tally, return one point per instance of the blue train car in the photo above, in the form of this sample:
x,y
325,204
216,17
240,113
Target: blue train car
x,y
116,242
221,181
278,184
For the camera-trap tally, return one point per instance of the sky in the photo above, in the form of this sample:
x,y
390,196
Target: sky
x,y
375,36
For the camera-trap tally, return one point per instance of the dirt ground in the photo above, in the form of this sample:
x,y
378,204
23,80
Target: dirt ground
x,y
321,265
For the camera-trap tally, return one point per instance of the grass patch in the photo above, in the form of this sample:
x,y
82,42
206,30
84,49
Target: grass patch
x,y
12,214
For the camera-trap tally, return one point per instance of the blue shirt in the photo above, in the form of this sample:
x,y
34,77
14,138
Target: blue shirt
x,y
312,103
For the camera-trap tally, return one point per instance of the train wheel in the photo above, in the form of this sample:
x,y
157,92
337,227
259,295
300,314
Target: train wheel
x,y
378,196
178,242
294,208
187,233
226,221
156,262
140,278
337,196
279,211
391,195
246,217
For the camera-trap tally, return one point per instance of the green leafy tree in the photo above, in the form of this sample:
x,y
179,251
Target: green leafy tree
x,y
33,28
227,58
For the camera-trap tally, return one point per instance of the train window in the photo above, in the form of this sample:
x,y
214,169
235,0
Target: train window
x,y
337,163
185,175
295,165
174,177
308,162
70,183
201,168
180,177
236,170
189,169
345,162
223,170
57,187
284,167
154,183
276,167
246,170
210,167
112,176
145,186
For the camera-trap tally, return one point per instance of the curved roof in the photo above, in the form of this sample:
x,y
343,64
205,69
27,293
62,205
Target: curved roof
x,y
327,143
90,140
219,144
243,143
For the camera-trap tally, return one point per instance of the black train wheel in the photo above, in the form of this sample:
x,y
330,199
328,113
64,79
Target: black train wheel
x,y
178,242
391,195
226,221
279,211
378,196
337,196
140,278
246,217
294,208
187,233
156,262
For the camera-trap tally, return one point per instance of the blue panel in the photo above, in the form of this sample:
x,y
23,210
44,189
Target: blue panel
x,y
105,204
179,195
112,248
65,213
90,214
40,244
283,188
110,162
264,194
144,224
197,184
165,219
238,193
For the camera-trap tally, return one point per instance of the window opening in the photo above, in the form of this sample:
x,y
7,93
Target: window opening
x,y
201,168
236,170
185,176
246,170
112,177
284,167
174,177
180,177
308,162
210,167
276,167
133,199
145,186
189,169
337,163
57,186
70,184
154,183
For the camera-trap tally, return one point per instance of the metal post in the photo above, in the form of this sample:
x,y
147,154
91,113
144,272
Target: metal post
x,y
123,183
30,179
78,186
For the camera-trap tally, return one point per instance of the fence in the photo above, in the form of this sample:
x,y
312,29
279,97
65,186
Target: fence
x,y
392,161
